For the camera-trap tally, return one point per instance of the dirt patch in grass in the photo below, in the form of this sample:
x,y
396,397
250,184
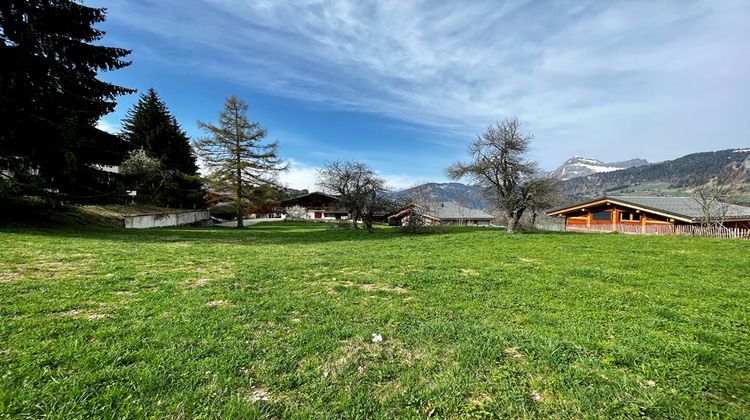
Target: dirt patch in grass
x,y
351,353
199,282
330,286
80,313
258,394
8,276
219,303
381,288
513,352
469,272
480,400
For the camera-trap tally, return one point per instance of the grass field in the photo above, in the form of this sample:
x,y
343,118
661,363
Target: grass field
x,y
278,319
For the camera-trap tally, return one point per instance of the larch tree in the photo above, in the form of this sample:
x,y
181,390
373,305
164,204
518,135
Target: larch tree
x,y
150,126
236,156
498,163
51,97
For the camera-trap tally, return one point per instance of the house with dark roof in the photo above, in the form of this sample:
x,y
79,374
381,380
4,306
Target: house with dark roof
x,y
647,214
318,206
444,213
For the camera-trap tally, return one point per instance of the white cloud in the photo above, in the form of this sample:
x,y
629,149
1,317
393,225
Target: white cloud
x,y
303,176
300,176
400,182
582,75
107,126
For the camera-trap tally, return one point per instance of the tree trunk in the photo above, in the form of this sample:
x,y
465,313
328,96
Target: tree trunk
x,y
511,228
240,213
367,220
240,207
533,219
355,216
517,223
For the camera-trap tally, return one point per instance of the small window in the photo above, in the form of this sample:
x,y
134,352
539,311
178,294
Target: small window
x,y
602,215
630,217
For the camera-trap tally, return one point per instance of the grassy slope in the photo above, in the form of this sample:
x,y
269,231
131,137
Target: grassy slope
x,y
203,322
30,212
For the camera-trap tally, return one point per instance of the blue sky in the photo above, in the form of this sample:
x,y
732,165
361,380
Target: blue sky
x,y
406,85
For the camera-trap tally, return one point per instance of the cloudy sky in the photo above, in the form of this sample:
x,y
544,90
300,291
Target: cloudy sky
x,y
406,85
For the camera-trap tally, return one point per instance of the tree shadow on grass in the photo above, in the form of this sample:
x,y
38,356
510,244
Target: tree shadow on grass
x,y
278,233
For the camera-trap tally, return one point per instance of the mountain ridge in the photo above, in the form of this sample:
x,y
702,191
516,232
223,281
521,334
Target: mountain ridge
x,y
675,175
672,177
578,166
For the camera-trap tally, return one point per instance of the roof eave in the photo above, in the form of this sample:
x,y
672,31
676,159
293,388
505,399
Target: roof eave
x,y
676,216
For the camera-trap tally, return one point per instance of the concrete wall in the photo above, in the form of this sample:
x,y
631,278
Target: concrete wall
x,y
180,218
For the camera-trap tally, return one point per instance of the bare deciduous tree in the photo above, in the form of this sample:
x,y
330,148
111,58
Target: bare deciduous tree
x,y
421,197
360,189
542,193
510,181
462,198
714,195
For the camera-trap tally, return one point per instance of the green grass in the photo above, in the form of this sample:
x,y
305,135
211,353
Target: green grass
x,y
277,320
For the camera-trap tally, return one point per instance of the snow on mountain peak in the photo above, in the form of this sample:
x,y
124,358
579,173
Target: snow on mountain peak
x,y
582,166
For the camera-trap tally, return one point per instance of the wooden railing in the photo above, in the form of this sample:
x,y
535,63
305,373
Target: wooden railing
x,y
665,229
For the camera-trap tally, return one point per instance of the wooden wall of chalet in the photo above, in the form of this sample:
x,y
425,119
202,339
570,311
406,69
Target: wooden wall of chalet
x,y
588,217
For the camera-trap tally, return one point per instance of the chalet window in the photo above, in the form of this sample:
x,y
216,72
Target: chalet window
x,y
602,215
630,217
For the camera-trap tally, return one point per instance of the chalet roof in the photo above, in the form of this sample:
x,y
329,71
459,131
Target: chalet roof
x,y
679,207
332,197
448,211
451,211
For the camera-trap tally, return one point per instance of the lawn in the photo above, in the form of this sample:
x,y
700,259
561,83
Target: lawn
x,y
277,320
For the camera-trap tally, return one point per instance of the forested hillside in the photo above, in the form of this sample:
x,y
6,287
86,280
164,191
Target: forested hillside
x,y
669,177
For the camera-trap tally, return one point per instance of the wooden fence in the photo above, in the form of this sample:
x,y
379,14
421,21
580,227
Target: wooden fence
x,y
637,229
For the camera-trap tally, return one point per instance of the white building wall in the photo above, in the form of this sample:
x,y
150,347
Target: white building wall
x,y
145,221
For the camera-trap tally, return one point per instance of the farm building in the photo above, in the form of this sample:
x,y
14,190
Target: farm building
x,y
444,213
319,206
646,214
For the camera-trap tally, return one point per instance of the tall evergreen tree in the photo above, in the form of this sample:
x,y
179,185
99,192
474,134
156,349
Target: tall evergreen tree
x,y
235,154
150,126
50,96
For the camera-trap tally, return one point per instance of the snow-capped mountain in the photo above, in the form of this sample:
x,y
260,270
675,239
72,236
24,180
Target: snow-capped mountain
x,y
580,166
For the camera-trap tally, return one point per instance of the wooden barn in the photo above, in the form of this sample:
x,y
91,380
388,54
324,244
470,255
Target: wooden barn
x,y
646,214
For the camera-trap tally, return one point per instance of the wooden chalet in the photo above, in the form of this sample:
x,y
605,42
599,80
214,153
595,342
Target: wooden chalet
x,y
645,214
319,206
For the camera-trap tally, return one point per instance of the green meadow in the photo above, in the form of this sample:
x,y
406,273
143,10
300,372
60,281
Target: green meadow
x,y
277,320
